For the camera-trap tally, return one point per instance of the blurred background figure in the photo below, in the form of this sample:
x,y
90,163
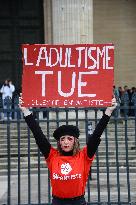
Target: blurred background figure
x,y
1,106
7,90
116,92
15,101
125,101
133,101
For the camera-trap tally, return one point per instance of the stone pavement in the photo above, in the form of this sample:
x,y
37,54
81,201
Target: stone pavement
x,y
44,189
24,189
3,185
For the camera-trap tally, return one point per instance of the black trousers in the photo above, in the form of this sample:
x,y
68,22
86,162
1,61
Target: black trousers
x,y
80,201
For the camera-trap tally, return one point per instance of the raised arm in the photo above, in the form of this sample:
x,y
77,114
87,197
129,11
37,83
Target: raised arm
x,y
95,138
40,138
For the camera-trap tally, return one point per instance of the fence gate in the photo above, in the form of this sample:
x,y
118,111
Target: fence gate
x,y
24,177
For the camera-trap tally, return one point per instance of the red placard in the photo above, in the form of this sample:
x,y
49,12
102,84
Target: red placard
x,y
79,75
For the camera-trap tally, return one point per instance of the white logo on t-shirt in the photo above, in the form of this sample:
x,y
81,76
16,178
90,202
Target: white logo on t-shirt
x,y
65,168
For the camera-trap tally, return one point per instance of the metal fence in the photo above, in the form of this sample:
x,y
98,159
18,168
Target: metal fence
x,y
24,177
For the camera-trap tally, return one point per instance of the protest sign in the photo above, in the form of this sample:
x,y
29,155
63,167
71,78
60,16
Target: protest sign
x,y
79,75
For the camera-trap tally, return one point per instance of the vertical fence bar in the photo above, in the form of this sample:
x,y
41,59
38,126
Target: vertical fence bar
x,y
76,111
19,182
86,130
39,178
29,174
66,110
127,162
39,171
107,164
117,159
9,161
97,164
57,117
48,135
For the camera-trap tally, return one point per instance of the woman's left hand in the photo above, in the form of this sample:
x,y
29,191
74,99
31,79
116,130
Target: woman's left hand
x,y
113,106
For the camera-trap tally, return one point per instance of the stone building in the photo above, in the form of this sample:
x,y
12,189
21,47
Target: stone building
x,y
68,22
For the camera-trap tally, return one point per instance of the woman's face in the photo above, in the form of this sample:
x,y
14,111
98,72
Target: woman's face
x,y
67,143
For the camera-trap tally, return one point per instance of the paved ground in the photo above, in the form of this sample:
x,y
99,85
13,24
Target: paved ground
x,y
3,186
44,189
23,189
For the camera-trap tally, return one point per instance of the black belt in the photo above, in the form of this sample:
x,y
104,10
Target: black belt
x,y
73,199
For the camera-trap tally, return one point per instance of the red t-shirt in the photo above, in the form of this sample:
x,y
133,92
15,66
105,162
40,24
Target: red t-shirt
x,y
68,173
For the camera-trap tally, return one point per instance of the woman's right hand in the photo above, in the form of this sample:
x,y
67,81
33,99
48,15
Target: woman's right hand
x,y
21,103
25,110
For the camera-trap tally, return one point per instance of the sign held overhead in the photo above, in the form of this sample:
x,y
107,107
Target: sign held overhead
x,y
79,75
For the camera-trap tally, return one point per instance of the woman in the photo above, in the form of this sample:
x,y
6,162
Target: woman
x,y
68,165
7,92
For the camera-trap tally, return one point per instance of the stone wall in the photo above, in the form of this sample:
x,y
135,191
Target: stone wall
x,y
114,21
96,21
